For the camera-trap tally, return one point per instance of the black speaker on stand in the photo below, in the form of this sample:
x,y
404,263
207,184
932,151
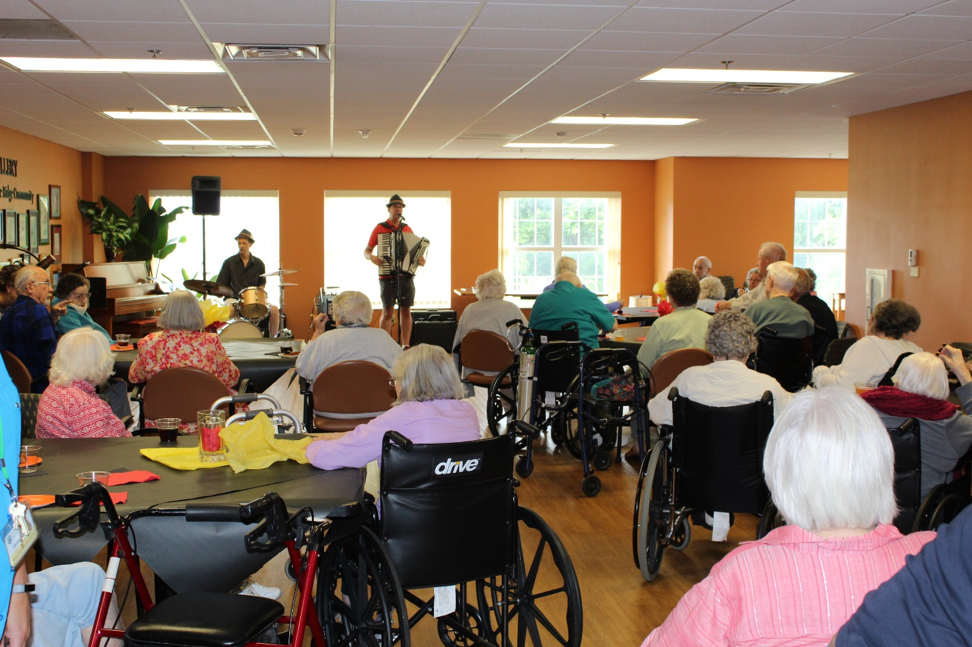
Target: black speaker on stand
x,y
206,190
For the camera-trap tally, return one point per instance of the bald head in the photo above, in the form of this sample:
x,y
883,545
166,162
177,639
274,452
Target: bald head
x,y
770,253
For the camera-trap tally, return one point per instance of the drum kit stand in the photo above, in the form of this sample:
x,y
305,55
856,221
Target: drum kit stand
x,y
250,305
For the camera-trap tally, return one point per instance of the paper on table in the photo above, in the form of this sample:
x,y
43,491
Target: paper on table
x,y
135,476
178,458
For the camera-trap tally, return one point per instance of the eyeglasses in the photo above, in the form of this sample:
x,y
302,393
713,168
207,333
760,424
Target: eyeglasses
x,y
392,382
79,297
41,282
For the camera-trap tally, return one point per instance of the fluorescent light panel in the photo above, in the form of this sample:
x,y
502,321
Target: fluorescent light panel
x,y
672,74
535,145
214,142
112,65
183,116
624,121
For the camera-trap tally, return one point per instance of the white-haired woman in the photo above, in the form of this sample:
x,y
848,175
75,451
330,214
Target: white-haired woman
x,y
491,312
711,291
352,339
429,409
69,407
921,391
829,466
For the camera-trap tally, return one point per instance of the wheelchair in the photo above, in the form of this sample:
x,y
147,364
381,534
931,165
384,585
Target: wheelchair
x,y
710,459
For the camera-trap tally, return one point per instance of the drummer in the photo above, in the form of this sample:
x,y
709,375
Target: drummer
x,y
244,270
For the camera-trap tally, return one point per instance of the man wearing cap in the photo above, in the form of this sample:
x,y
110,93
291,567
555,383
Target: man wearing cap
x,y
244,270
389,285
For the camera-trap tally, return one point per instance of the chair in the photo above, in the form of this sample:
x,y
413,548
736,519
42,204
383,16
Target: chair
x,y
836,350
906,441
28,414
844,330
18,372
787,360
180,393
346,395
730,284
481,350
670,365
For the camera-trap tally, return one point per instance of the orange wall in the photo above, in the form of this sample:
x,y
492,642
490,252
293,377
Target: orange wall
x,y
41,163
664,215
474,186
724,208
910,188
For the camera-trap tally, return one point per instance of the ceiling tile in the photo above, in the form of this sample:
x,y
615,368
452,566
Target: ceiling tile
x,y
134,32
380,13
960,52
842,25
260,12
152,11
891,7
937,27
59,48
899,48
775,45
21,10
397,36
682,20
951,8
538,16
523,38
624,41
505,56
419,55
177,51
272,34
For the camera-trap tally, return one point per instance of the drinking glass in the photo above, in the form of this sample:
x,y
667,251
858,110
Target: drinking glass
x,y
212,448
168,429
122,339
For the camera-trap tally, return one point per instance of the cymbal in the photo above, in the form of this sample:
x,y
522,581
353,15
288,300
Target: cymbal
x,y
280,272
289,285
209,287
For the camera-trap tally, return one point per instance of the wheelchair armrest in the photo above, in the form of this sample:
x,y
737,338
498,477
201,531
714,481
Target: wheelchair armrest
x,y
244,386
137,391
304,385
345,510
398,439
525,429
673,393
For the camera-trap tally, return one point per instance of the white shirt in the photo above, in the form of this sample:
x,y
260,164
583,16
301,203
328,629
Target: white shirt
x,y
743,301
867,360
343,344
719,384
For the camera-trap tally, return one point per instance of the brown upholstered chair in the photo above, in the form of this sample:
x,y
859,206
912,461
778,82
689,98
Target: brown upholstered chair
x,y
670,365
349,394
482,350
17,371
180,393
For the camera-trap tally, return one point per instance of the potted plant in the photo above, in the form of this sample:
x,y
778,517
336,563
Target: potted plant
x,y
109,221
143,236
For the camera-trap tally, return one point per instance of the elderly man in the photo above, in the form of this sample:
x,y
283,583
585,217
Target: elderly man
x,y
824,321
768,253
684,327
27,328
778,312
568,303
702,267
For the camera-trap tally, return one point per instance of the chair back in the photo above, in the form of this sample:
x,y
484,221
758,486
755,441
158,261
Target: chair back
x,y
730,285
485,351
349,393
447,510
181,393
17,371
787,360
28,415
670,365
719,454
836,350
558,363
569,333
906,440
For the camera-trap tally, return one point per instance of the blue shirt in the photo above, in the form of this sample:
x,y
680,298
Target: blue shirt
x,y
565,304
27,331
10,421
73,319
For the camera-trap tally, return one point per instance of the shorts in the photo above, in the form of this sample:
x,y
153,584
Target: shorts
x,y
389,291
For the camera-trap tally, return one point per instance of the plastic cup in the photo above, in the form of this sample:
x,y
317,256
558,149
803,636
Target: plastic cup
x,y
122,339
168,429
30,458
92,477
287,346
862,387
212,448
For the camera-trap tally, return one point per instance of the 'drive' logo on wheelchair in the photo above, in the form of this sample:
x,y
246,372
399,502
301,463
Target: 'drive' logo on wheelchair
x,y
459,465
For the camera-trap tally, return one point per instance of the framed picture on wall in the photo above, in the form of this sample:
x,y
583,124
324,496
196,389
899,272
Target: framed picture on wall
x,y
56,241
44,207
33,222
23,231
55,192
10,227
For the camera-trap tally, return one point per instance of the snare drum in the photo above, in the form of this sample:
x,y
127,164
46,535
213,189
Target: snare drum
x,y
240,329
253,303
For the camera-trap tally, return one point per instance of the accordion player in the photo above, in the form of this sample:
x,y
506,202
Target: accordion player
x,y
401,251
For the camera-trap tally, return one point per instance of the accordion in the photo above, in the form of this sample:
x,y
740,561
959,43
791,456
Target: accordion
x,y
401,252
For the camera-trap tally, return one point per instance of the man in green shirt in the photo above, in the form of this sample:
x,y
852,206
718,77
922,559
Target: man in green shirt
x,y
569,302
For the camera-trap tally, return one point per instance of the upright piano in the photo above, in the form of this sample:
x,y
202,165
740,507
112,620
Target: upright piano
x,y
131,298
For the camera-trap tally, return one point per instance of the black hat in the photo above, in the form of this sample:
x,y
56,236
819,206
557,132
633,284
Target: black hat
x,y
245,234
395,199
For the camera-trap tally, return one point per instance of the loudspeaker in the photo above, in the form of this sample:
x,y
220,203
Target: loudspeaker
x,y
205,195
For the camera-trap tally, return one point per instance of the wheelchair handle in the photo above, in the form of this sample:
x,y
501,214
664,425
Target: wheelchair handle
x,y
245,398
272,413
213,512
88,515
398,439
522,428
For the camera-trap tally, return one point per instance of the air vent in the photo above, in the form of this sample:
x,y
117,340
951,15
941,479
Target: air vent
x,y
759,88
208,109
274,53
20,29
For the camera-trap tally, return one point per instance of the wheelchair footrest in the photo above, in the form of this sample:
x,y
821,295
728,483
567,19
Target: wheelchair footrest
x,y
204,620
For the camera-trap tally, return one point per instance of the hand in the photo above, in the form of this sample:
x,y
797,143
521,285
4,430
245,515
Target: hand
x,y
421,260
722,305
955,362
319,321
59,310
17,630
376,260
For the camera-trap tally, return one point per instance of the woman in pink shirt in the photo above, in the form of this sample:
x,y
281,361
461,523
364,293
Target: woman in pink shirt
x,y
429,409
830,468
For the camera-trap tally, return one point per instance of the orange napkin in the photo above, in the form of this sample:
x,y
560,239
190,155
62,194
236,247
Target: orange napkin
x,y
117,347
116,498
135,476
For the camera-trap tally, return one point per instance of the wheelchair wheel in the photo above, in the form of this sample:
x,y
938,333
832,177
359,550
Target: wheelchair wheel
x,y
501,402
648,531
946,511
770,519
602,437
682,535
522,467
359,597
602,460
543,600
591,485
472,621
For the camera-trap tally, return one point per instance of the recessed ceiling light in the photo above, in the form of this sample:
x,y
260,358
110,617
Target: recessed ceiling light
x,y
214,142
624,121
184,116
112,65
672,74
536,145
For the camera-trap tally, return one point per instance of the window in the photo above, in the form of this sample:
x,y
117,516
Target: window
x,y
349,218
258,211
539,228
820,238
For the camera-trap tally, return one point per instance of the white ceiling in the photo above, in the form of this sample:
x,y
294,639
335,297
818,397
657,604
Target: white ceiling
x,y
460,78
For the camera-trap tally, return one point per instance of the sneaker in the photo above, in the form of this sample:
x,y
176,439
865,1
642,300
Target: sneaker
x,y
260,591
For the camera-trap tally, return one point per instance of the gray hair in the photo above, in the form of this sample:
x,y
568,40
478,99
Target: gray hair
x,y
750,273
491,285
923,374
353,308
182,312
784,275
813,278
570,277
82,354
893,318
803,285
705,261
425,372
772,251
711,287
682,287
27,274
731,335
565,264
829,462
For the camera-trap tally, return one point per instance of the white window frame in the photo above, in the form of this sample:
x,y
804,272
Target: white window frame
x,y
822,250
612,268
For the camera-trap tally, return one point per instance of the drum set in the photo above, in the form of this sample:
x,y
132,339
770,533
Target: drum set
x,y
250,306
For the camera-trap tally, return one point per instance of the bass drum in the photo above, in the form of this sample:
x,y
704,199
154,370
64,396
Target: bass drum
x,y
253,303
240,329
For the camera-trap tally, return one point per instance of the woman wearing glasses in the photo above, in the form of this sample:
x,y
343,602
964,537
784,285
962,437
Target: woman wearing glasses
x,y
73,290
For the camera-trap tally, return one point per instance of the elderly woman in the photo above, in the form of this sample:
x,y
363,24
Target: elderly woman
x,y
753,278
870,358
830,468
684,327
711,291
921,391
352,339
69,407
182,342
569,302
730,338
73,289
490,312
8,290
429,409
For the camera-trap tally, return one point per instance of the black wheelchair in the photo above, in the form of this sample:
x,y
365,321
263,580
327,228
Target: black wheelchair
x,y
710,459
